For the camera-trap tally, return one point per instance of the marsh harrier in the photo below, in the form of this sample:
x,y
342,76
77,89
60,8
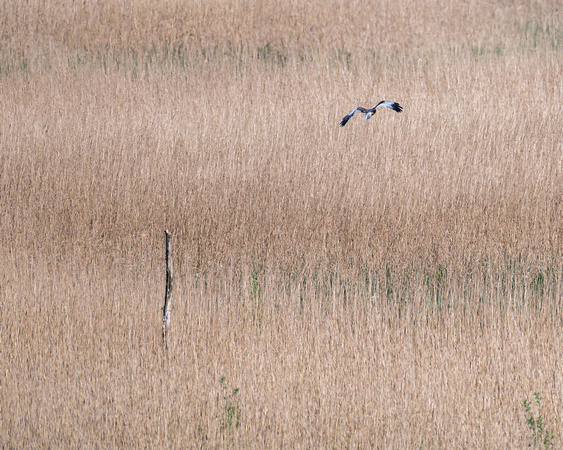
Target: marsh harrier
x,y
370,112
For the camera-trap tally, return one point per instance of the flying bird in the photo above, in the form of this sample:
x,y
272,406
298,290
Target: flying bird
x,y
370,112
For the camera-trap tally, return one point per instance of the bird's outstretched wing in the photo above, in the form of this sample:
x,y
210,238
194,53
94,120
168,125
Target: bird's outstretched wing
x,y
391,105
348,117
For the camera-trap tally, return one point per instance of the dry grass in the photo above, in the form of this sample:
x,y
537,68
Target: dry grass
x,y
393,283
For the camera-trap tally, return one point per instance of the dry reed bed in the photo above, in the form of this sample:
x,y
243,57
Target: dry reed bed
x,y
333,370
396,282
40,28
252,166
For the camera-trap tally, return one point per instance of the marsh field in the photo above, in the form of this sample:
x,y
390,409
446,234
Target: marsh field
x,y
395,283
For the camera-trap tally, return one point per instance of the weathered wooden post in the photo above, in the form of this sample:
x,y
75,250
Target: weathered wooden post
x,y
169,280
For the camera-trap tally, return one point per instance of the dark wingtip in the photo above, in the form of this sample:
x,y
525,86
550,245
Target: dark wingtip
x,y
344,121
397,107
